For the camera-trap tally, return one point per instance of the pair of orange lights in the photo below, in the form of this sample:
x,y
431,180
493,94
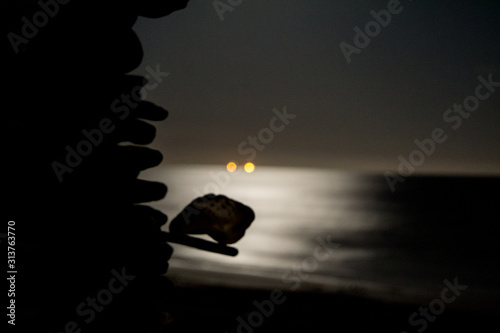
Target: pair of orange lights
x,y
249,167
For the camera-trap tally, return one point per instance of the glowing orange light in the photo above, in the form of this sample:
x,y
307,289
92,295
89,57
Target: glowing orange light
x,y
249,167
231,167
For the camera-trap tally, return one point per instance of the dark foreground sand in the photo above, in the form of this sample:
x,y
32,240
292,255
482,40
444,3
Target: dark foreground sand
x,y
229,310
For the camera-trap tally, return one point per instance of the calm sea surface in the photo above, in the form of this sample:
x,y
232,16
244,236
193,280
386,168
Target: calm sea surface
x,y
400,245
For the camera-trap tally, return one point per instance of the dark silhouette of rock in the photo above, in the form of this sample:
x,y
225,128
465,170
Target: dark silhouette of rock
x,y
73,191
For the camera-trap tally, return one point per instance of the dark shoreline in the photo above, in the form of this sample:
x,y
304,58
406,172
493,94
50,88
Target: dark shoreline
x,y
219,309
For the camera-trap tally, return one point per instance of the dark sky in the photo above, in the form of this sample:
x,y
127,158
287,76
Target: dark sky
x,y
226,76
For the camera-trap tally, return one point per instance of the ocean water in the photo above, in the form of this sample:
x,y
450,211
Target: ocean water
x,y
327,231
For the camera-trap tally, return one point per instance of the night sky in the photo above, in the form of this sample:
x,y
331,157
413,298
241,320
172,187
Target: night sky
x,y
227,76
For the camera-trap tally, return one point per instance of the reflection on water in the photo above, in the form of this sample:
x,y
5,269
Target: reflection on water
x,y
399,245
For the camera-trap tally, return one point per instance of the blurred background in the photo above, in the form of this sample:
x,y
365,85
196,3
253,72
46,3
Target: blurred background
x,y
227,75
319,174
